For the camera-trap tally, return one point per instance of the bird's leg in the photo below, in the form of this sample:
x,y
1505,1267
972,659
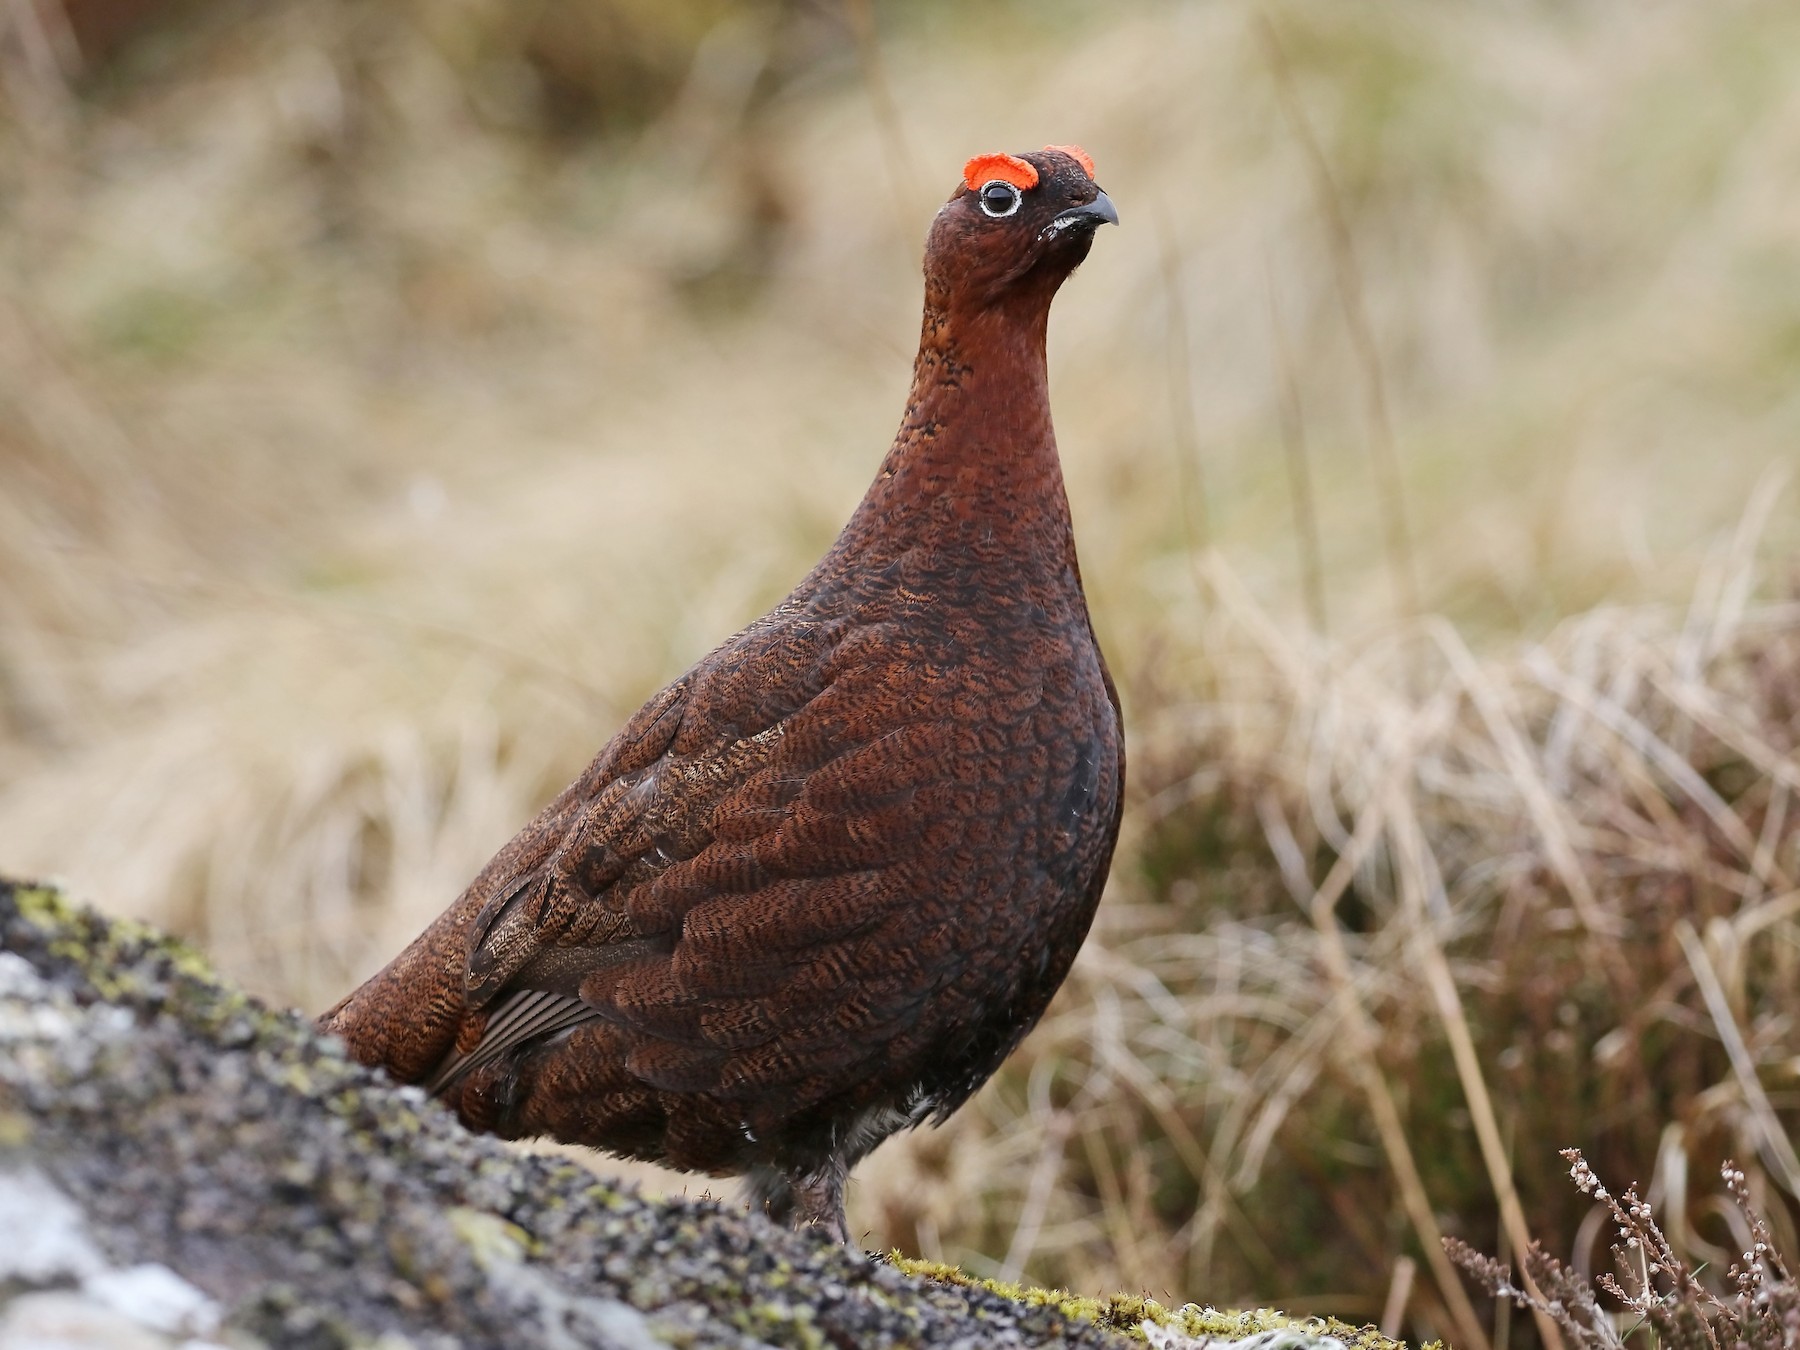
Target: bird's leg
x,y
819,1201
802,1199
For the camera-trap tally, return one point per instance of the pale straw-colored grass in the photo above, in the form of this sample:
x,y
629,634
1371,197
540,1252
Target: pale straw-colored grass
x,y
364,461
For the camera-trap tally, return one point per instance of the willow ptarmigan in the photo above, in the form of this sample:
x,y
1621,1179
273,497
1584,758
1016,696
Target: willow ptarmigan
x,y
818,888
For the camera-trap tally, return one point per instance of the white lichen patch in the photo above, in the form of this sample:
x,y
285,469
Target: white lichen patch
x,y
155,1297
73,1298
1277,1338
48,1242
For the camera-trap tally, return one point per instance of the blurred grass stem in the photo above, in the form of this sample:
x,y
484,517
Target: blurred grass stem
x,y
1384,456
1292,420
1190,472
1777,1149
904,178
1360,1040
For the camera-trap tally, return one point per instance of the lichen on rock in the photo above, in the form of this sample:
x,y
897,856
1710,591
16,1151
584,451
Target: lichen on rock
x,y
1183,1327
198,1169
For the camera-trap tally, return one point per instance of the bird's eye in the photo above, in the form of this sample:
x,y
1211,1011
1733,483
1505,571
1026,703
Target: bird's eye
x,y
1000,198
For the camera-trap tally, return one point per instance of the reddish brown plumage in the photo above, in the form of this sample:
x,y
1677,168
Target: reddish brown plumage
x,y
817,888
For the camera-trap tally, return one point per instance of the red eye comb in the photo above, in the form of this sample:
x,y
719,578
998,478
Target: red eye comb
x,y
1007,168
1076,153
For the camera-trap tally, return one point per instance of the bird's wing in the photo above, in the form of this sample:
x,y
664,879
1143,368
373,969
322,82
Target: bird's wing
x,y
780,891
529,1014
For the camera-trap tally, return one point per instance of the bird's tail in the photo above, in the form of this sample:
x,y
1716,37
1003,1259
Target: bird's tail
x,y
406,1017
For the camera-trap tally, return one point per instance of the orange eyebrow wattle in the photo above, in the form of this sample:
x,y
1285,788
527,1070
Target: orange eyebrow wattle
x,y
1076,153
1006,168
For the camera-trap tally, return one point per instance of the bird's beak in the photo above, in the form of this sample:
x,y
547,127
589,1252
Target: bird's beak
x,y
1092,215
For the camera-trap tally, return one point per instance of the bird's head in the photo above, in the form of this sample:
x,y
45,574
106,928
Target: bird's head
x,y
1017,225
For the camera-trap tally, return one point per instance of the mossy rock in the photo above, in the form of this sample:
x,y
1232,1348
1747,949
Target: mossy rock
x,y
202,1167
1128,1313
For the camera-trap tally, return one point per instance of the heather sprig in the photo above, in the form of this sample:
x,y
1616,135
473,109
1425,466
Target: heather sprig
x,y
1759,1309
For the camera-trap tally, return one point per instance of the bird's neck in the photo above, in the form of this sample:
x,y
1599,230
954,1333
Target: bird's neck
x,y
975,459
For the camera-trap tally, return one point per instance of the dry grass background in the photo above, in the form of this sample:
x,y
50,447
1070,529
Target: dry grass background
x,y
391,397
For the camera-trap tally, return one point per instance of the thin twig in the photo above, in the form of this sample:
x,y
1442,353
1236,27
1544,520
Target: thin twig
x,y
1196,518
1112,1195
1385,457
1037,1197
1393,1308
38,68
1299,471
1778,1149
1409,863
1545,815
1361,1040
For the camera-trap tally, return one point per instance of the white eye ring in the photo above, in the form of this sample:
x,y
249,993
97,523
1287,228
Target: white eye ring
x,y
1013,204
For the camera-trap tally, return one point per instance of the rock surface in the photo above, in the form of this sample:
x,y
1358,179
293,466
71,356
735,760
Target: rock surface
x,y
183,1167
